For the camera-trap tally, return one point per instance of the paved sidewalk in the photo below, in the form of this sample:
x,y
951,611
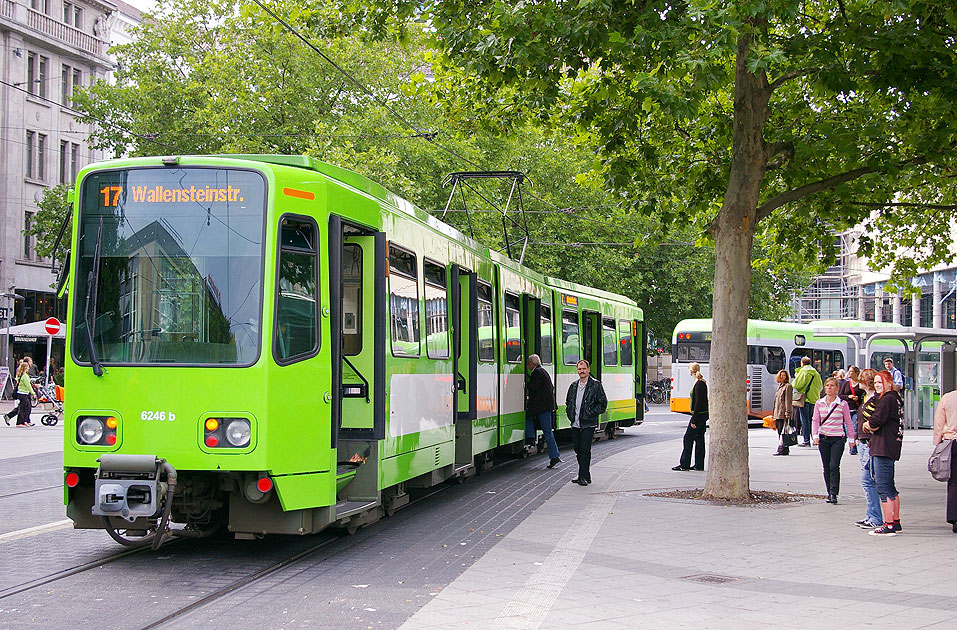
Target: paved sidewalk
x,y
609,556
21,442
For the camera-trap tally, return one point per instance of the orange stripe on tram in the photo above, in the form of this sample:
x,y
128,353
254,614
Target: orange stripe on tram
x,y
301,194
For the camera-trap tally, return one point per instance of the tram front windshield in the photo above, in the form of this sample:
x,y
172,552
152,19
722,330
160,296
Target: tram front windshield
x,y
169,267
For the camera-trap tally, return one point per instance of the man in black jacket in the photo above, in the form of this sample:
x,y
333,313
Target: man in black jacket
x,y
584,402
539,405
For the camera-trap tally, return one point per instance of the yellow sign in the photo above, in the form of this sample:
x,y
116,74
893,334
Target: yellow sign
x,y
162,194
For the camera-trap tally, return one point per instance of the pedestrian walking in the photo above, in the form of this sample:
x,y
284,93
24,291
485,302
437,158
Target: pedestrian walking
x,y
694,434
831,429
807,381
872,516
886,441
783,409
584,402
23,390
945,428
540,406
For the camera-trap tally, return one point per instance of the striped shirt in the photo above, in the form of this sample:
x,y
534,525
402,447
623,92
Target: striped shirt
x,y
832,419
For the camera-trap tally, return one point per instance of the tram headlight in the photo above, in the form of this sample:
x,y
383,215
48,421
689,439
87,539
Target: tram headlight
x,y
90,431
238,432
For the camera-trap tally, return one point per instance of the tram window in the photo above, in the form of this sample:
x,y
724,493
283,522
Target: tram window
x,y
571,342
351,299
609,342
546,326
404,302
817,360
436,311
486,320
794,362
513,340
624,331
838,360
297,320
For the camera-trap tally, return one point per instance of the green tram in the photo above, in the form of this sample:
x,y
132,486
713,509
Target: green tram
x,y
277,345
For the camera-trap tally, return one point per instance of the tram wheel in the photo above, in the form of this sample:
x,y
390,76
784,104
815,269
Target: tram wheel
x,y
128,537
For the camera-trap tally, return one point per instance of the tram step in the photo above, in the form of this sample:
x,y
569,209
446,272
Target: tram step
x,y
345,508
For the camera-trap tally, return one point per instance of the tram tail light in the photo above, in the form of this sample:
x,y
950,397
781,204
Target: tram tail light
x,y
72,479
264,484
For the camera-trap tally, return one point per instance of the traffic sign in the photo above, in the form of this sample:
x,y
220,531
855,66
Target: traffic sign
x,y
52,326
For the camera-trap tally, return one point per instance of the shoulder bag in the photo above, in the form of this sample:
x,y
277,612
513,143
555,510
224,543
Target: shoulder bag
x,y
939,464
799,398
789,436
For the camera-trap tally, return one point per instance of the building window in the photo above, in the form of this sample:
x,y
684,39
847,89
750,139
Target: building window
x,y
70,79
41,157
927,311
887,309
64,162
43,6
31,150
74,160
27,237
42,78
72,14
907,313
32,73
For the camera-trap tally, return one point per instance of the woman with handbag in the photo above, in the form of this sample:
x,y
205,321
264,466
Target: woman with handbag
x,y
872,517
886,440
831,428
782,412
945,428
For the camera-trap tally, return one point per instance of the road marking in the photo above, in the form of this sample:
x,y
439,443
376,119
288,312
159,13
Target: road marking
x,y
529,606
34,531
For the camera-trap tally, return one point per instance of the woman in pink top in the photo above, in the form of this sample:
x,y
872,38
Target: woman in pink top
x,y
831,428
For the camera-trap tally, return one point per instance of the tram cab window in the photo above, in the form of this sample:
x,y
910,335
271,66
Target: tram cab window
x,y
693,351
624,332
486,321
571,341
351,299
436,311
546,326
609,342
297,320
404,302
513,340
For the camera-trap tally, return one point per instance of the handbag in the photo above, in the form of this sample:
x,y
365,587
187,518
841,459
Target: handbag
x,y
798,398
789,436
939,464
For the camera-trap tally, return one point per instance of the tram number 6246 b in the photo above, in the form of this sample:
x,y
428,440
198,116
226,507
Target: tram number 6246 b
x,y
162,416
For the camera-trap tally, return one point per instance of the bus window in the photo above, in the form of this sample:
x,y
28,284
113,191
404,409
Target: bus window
x,y
436,312
795,361
571,344
404,302
486,320
774,359
693,351
608,341
546,325
838,360
624,331
513,341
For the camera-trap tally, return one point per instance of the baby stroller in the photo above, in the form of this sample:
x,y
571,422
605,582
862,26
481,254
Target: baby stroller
x,y
48,394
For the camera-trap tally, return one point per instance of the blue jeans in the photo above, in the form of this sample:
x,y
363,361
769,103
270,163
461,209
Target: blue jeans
x,y
870,488
884,477
807,413
545,420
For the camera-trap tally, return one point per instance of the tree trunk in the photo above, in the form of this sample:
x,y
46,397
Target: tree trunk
x,y
733,231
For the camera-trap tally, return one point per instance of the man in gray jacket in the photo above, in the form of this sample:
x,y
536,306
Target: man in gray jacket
x,y
584,402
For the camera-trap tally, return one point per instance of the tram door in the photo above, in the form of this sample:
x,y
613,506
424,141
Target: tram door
x,y
464,285
591,335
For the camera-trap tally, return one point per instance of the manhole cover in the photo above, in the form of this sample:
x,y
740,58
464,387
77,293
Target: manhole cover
x,y
710,578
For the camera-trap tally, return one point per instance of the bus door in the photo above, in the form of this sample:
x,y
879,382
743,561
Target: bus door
x,y
591,335
464,285
357,310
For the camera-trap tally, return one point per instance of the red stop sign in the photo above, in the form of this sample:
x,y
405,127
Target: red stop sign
x,y
52,326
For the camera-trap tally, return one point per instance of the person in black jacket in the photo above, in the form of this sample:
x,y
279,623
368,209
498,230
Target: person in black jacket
x,y
539,405
584,402
694,434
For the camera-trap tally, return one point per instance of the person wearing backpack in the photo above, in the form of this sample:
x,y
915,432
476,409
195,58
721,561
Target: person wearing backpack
x,y
945,428
807,381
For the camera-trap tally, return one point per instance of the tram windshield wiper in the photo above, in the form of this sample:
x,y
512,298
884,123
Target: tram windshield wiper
x,y
92,283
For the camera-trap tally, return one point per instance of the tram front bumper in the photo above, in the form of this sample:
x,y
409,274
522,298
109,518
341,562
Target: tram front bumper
x,y
129,486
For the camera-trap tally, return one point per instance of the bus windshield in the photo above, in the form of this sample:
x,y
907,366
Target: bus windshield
x,y
169,266
692,351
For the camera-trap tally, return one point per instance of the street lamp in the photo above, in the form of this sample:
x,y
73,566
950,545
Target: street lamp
x,y
6,334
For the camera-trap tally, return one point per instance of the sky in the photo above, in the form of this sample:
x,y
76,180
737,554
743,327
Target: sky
x,y
142,5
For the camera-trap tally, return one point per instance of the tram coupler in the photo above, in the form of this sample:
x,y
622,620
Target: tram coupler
x,y
129,486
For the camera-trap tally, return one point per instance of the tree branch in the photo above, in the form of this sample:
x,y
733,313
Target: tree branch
x,y
793,74
929,206
765,209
